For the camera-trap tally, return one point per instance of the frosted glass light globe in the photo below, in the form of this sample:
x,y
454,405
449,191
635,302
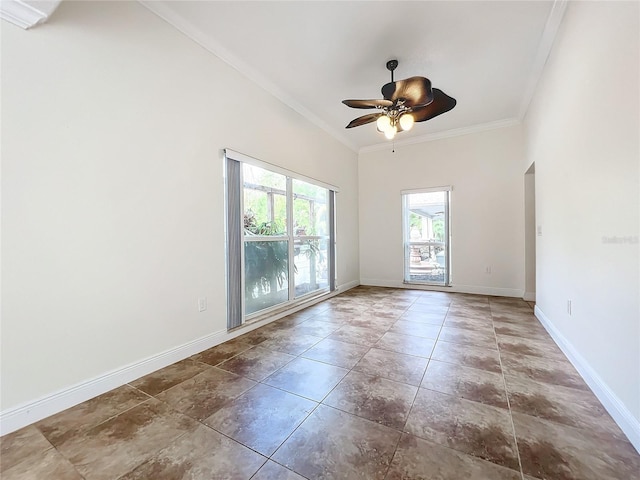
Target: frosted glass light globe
x,y
383,123
391,132
406,122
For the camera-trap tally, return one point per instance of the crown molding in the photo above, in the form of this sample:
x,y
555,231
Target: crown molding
x,y
209,44
455,132
544,50
24,15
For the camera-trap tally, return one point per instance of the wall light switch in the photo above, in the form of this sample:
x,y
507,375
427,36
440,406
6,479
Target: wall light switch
x,y
202,304
539,230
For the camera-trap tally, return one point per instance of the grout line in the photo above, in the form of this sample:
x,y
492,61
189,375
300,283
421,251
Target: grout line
x,y
506,392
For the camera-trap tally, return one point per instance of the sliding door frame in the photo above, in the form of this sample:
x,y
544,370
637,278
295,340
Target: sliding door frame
x,y
235,286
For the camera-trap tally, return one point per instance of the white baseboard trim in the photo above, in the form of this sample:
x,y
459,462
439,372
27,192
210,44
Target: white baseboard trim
x,y
493,291
455,288
30,412
529,296
346,286
620,413
33,411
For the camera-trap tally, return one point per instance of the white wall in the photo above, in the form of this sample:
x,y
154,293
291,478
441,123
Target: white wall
x,y
487,208
583,134
112,191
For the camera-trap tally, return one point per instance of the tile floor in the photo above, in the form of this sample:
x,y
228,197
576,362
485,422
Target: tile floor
x,y
372,384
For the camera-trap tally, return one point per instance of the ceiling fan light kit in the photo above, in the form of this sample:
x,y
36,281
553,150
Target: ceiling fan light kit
x,y
405,102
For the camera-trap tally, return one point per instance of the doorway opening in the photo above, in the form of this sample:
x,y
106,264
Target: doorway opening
x,y
530,233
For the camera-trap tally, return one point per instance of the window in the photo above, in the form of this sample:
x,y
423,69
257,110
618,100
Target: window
x,y
426,235
280,238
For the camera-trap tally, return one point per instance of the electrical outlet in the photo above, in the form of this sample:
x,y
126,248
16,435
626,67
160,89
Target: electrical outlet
x,y
569,307
487,270
202,304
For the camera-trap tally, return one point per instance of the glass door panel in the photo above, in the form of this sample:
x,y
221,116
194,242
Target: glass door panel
x,y
311,238
266,246
426,237
265,201
266,273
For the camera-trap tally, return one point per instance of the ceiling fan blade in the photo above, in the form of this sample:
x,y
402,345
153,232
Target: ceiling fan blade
x,y
363,120
367,103
415,91
441,103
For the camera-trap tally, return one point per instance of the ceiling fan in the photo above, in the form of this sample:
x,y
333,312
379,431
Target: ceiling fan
x,y
405,102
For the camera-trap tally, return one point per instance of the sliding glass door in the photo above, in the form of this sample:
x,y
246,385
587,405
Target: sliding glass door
x,y
287,240
426,236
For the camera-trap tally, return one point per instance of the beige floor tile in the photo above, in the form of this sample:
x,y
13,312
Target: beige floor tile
x,y
290,342
407,344
465,336
418,459
202,395
256,363
422,317
553,371
374,398
261,418
358,335
550,450
167,377
564,405
120,444
86,415
335,444
220,353
200,454
393,366
341,354
22,445
470,427
307,378
415,329
465,382
467,355
46,465
274,471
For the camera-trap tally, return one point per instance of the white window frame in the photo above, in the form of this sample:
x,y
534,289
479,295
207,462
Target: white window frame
x,y
290,236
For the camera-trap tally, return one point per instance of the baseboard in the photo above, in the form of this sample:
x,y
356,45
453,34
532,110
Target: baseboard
x,y
529,296
493,291
30,412
20,416
455,288
346,286
620,413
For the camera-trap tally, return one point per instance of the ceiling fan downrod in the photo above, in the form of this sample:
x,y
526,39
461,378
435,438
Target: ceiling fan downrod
x,y
391,66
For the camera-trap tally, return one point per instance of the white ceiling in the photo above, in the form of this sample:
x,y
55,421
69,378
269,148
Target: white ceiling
x,y
488,55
